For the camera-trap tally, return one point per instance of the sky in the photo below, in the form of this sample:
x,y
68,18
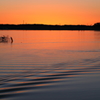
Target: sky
x,y
76,12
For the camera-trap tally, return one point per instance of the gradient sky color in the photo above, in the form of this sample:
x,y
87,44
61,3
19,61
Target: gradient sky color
x,y
49,12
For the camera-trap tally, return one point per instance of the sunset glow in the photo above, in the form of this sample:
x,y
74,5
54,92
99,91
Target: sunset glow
x,y
49,12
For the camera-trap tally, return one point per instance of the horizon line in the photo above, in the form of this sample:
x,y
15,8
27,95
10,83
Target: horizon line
x,y
48,24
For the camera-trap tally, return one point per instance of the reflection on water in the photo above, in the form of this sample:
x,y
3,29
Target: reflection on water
x,y
44,62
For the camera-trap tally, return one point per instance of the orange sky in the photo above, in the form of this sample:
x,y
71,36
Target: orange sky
x,y
49,11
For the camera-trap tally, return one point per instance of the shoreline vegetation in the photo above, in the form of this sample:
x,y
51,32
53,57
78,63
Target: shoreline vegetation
x,y
96,27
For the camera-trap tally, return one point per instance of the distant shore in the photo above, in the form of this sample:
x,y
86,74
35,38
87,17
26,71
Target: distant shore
x,y
49,27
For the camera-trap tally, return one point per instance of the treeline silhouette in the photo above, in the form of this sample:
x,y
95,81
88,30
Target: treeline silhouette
x,y
96,26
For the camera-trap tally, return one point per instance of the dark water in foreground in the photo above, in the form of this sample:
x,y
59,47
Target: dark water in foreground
x,y
50,65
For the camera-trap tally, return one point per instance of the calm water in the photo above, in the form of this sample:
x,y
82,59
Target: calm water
x,y
50,65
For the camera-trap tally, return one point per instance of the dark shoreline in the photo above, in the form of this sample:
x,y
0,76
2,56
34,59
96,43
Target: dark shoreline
x,y
48,27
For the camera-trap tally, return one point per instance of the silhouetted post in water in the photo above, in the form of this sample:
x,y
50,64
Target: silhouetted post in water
x,y
11,39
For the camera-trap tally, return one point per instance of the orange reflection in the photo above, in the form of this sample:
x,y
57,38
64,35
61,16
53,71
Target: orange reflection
x,y
47,47
65,40
62,40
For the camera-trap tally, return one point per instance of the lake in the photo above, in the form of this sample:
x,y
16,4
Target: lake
x,y
50,65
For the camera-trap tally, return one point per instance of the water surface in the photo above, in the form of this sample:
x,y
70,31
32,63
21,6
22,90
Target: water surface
x,y
50,65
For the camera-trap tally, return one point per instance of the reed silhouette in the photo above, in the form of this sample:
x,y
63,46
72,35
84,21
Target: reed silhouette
x,y
6,39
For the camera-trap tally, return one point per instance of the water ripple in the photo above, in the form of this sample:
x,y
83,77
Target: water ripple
x,y
16,84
